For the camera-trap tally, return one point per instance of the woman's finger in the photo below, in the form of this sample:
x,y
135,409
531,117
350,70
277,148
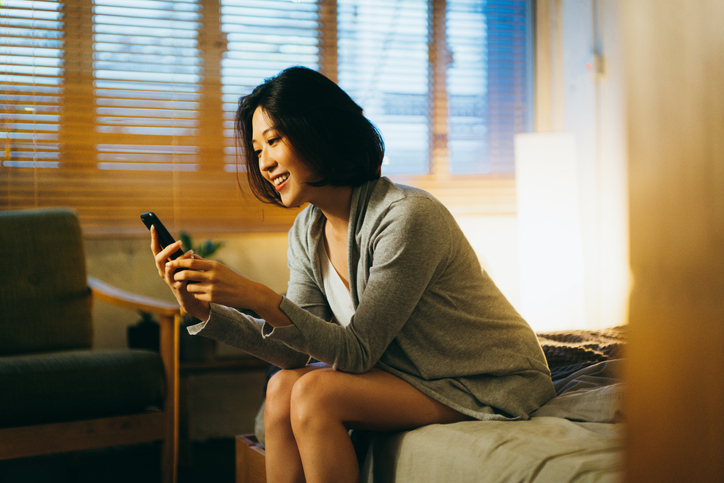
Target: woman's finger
x,y
162,259
156,249
155,245
166,252
192,262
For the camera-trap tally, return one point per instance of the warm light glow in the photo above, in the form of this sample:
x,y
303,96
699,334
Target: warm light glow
x,y
552,295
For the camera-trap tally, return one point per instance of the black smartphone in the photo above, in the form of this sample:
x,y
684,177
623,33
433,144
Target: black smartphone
x,y
164,237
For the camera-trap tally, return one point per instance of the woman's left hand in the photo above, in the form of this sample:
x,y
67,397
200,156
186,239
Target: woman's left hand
x,y
211,281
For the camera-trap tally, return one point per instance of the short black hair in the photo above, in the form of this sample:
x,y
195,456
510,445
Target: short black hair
x,y
323,125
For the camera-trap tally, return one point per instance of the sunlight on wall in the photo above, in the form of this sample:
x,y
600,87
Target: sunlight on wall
x,y
552,295
495,241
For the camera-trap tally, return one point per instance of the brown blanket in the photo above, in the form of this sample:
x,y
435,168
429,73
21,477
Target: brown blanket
x,y
571,350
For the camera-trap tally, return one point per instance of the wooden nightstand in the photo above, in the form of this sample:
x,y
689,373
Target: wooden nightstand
x,y
249,460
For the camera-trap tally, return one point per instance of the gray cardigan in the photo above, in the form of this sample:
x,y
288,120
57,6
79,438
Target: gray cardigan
x,y
425,311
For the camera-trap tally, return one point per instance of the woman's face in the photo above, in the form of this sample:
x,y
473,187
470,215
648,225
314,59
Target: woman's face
x,y
279,164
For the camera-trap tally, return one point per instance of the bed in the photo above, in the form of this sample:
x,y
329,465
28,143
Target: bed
x,y
577,436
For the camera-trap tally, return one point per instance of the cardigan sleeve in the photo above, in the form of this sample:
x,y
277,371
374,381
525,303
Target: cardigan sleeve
x,y
410,245
231,327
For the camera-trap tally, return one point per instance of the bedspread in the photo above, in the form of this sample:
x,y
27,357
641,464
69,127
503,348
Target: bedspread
x,y
572,350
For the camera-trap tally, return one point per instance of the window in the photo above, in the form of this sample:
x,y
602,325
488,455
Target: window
x,y
115,108
382,64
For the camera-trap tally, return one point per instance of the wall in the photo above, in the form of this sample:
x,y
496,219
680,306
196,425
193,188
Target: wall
x,y
571,96
495,240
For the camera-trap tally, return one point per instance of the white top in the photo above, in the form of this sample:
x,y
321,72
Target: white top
x,y
338,296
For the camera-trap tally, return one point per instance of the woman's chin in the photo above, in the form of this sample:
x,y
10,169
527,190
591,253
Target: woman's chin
x,y
289,202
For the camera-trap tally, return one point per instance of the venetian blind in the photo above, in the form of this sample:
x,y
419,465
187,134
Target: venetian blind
x,y
383,65
119,108
262,38
478,93
128,118
31,88
508,73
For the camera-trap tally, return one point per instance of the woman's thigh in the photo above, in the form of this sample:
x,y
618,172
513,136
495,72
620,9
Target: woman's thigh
x,y
375,400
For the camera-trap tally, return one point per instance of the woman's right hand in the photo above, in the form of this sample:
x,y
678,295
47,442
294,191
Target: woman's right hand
x,y
188,301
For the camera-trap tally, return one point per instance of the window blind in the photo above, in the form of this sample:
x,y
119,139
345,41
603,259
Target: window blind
x,y
263,38
146,96
118,108
478,84
467,85
136,125
487,83
147,73
31,88
508,79
383,66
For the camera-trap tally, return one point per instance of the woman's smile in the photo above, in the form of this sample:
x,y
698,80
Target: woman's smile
x,y
280,181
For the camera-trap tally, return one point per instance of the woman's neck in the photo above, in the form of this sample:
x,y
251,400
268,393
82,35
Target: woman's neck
x,y
335,204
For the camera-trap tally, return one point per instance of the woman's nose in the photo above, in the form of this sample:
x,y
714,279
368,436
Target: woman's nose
x,y
265,161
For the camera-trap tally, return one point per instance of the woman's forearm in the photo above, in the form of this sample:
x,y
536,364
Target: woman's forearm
x,y
266,304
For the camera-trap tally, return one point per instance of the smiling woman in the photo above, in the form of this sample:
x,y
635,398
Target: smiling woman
x,y
401,290
278,163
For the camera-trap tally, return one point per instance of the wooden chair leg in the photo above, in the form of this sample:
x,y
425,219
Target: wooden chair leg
x,y
169,335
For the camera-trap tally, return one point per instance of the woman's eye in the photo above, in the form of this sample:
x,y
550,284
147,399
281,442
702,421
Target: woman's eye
x,y
273,141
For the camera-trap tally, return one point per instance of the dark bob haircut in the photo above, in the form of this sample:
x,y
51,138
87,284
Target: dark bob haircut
x,y
324,127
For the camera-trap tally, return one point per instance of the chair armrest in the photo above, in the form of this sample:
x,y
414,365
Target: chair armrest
x,y
170,319
115,296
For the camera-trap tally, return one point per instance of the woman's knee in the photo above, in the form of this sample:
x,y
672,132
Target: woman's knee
x,y
280,390
278,395
312,399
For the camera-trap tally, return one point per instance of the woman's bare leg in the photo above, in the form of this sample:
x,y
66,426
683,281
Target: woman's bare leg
x,y
326,403
282,456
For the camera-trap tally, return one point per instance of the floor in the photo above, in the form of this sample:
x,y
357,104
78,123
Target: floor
x,y
211,461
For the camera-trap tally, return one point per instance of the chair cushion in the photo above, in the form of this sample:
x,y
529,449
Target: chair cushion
x,y
83,384
45,303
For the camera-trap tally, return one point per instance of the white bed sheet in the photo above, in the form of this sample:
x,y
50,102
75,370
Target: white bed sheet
x,y
575,437
543,450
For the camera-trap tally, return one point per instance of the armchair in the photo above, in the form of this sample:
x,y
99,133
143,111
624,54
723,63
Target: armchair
x,y
58,394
